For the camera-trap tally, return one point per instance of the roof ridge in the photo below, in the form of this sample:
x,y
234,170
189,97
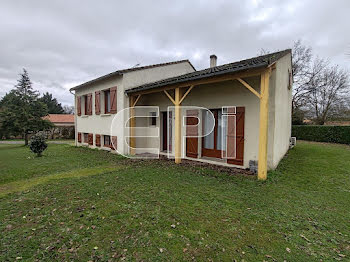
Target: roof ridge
x,y
131,69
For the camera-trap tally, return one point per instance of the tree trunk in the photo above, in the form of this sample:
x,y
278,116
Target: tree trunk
x,y
25,138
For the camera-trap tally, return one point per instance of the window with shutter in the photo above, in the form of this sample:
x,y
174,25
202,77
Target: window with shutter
x,y
89,104
97,103
235,137
113,96
98,140
114,145
91,139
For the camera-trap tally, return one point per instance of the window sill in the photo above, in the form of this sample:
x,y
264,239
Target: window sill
x,y
103,115
84,116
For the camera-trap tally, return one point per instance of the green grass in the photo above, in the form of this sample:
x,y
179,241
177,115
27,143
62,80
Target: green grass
x,y
80,204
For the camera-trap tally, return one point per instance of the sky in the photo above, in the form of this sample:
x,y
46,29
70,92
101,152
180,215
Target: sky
x,y
65,43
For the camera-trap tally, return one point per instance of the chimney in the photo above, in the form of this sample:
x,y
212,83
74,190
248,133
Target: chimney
x,y
213,60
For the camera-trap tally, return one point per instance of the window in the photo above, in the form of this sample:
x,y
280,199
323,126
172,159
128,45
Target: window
x,y
86,137
106,141
107,95
153,121
86,105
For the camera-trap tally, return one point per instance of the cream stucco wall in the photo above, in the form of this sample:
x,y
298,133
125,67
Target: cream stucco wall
x,y
283,109
100,124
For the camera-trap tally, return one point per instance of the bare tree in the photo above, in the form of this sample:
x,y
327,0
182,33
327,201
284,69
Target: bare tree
x,y
328,90
301,64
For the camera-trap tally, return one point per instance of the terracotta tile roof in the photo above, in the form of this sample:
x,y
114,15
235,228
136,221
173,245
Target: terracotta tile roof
x,y
60,118
255,62
123,71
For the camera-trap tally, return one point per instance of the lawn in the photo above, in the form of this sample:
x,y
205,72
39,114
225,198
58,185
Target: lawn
x,y
81,204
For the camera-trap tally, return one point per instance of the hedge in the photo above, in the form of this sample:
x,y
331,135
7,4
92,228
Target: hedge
x,y
331,134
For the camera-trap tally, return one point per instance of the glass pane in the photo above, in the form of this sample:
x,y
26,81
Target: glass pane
x,y
221,134
208,123
108,101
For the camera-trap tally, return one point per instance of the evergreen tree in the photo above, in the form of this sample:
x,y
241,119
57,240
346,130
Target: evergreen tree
x,y
20,110
52,105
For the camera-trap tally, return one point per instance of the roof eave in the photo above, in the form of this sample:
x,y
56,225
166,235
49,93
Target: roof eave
x,y
135,90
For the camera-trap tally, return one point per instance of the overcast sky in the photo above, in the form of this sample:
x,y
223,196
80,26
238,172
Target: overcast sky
x,y
64,43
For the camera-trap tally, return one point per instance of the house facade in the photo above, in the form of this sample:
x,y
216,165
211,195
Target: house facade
x,y
233,115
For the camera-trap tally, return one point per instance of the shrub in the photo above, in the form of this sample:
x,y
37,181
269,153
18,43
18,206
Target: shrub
x,y
331,134
38,143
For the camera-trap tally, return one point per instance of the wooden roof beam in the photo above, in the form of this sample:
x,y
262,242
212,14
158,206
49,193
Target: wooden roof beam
x,y
251,89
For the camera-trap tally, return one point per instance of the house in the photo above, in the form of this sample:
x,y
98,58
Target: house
x,y
63,125
254,95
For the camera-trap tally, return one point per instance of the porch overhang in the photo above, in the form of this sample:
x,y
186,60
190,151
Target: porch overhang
x,y
215,75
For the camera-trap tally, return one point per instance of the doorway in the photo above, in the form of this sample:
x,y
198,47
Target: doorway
x,y
167,137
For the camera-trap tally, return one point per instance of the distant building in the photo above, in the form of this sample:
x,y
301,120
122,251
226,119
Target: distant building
x,y
63,126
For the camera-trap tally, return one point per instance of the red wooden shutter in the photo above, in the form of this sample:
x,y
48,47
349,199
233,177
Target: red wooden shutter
x,y
192,130
79,105
98,140
79,137
89,96
114,145
91,139
97,103
113,97
236,131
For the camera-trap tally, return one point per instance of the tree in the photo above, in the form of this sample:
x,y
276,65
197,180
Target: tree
x,y
68,110
52,105
327,92
20,110
318,88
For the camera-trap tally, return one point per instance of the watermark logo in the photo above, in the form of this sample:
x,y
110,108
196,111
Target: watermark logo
x,y
146,132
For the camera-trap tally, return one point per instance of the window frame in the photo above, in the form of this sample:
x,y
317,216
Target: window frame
x,y
107,101
104,141
86,138
85,105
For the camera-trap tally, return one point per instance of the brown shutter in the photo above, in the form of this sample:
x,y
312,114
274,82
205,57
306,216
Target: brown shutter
x,y
89,96
115,141
79,105
97,103
237,134
79,137
113,94
192,130
98,140
91,139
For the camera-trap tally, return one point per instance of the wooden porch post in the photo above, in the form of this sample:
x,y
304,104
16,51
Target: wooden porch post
x,y
177,127
132,125
263,128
